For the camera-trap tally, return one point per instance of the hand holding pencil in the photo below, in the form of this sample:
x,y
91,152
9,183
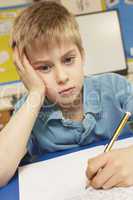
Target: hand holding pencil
x,y
106,170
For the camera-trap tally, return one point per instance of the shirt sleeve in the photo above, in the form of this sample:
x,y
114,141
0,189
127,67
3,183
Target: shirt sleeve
x,y
19,103
123,90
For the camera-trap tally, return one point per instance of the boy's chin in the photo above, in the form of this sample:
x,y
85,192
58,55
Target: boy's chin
x,y
67,103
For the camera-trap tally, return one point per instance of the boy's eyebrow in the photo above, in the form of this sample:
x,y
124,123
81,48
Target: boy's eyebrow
x,y
49,61
69,52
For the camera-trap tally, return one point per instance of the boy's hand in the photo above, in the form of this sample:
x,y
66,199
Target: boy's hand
x,y
31,79
115,169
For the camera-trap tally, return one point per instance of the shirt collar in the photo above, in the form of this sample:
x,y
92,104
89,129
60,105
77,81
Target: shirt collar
x,y
51,109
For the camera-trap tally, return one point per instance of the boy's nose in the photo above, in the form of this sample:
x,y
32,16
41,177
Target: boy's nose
x,y
61,75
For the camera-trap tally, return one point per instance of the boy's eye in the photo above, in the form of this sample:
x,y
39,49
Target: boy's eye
x,y
44,68
69,60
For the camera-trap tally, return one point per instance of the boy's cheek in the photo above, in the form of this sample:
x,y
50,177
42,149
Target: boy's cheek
x,y
50,93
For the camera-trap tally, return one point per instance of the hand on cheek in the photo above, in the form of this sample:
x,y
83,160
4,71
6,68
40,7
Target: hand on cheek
x,y
31,79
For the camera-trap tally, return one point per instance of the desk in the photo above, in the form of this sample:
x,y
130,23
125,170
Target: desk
x,y
11,191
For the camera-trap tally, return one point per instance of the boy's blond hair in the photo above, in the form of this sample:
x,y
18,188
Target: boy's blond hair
x,y
46,21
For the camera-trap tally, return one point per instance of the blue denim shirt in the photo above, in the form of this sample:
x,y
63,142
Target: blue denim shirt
x,y
106,97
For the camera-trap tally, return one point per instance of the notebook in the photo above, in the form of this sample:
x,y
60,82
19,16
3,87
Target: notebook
x,y
63,178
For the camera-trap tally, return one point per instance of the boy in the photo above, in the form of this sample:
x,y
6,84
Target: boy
x,y
62,109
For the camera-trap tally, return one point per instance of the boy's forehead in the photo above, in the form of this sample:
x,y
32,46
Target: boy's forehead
x,y
38,44
40,48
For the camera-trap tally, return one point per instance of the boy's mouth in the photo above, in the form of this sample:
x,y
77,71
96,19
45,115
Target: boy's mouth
x,y
67,91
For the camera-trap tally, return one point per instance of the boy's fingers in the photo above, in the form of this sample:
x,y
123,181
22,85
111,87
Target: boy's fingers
x,y
121,184
104,175
115,180
95,164
17,61
29,67
125,182
26,62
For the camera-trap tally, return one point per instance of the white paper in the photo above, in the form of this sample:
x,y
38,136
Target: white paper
x,y
63,178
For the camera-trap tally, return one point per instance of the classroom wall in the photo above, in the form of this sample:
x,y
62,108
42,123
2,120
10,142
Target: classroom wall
x,y
13,2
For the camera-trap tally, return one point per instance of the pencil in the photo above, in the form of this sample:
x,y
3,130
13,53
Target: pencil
x,y
117,131
114,137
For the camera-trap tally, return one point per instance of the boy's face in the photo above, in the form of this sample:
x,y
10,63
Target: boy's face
x,y
61,68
